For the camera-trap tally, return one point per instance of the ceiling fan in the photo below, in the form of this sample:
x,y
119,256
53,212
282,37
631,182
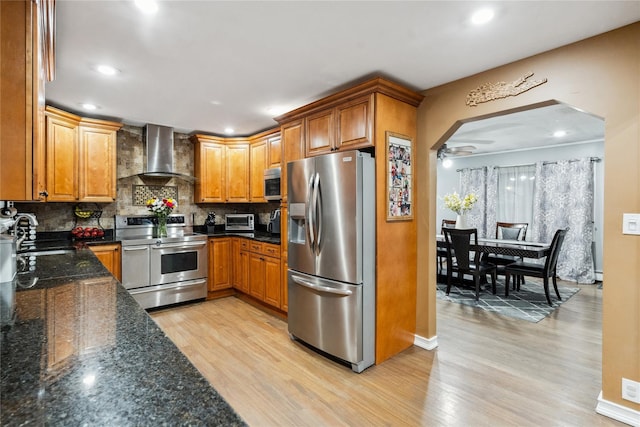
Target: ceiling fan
x,y
463,150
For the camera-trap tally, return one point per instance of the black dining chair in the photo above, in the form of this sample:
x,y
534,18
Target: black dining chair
x,y
521,268
459,259
442,252
508,231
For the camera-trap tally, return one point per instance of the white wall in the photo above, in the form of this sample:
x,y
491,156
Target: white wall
x,y
448,179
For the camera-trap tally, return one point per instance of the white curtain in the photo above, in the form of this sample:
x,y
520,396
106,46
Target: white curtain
x,y
564,198
515,187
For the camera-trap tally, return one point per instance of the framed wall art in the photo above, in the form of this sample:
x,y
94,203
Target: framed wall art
x,y
399,177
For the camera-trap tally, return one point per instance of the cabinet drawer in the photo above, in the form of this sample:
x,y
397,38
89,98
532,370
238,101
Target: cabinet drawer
x,y
244,244
255,246
271,250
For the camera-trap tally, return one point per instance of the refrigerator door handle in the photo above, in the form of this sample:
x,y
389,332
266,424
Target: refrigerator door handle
x,y
317,202
309,216
307,284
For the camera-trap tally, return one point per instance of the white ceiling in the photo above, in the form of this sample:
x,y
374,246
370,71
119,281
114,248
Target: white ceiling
x,y
526,129
207,65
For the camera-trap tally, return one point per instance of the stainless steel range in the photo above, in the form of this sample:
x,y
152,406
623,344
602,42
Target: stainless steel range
x,y
161,271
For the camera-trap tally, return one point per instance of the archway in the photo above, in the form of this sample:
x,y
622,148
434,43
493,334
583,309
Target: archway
x,y
597,75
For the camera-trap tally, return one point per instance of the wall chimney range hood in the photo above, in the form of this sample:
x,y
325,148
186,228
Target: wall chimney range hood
x,y
158,153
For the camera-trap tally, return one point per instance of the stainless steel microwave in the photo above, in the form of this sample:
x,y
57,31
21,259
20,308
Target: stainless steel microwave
x,y
272,184
239,222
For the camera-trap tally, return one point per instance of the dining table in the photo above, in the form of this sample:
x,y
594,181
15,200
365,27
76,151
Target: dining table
x,y
516,248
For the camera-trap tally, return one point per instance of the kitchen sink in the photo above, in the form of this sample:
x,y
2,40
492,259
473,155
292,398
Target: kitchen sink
x,y
48,252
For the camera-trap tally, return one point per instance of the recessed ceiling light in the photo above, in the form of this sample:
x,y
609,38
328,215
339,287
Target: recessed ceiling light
x,y
147,6
88,106
560,133
482,16
229,131
447,163
216,103
107,70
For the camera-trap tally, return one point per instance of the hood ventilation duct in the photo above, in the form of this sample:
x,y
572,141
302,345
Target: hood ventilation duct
x,y
158,153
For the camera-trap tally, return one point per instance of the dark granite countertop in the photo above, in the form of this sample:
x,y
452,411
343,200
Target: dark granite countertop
x,y
259,235
76,349
51,240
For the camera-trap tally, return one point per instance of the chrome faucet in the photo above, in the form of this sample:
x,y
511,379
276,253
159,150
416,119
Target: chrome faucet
x,y
32,221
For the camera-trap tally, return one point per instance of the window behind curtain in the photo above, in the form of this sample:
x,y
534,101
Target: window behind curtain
x,y
515,194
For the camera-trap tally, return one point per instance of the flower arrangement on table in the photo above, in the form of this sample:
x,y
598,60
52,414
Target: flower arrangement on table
x,y
460,206
161,208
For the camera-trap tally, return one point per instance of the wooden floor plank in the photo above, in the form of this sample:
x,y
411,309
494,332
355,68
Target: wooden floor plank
x,y
487,369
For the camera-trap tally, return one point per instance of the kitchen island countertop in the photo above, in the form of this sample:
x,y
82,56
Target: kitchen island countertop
x,y
76,349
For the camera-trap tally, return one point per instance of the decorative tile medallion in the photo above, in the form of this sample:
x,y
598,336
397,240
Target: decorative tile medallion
x,y
142,193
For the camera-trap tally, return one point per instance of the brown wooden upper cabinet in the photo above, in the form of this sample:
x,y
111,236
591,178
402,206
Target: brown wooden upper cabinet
x,y
275,151
221,170
237,178
232,169
346,126
292,149
257,163
80,158
26,63
265,154
209,155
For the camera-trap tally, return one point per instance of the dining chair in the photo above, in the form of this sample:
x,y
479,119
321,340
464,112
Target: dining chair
x,y
521,268
442,252
508,231
461,260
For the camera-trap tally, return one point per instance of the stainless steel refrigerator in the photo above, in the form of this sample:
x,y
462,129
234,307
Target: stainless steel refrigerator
x,y
331,255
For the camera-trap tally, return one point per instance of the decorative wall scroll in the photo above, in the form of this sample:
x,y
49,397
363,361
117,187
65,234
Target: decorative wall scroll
x,y
399,177
142,193
491,91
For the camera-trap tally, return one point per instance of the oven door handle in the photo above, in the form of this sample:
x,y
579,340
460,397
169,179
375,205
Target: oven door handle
x,y
135,248
179,245
327,289
174,286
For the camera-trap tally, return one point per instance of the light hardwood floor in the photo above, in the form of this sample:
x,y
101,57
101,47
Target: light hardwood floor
x,y
487,369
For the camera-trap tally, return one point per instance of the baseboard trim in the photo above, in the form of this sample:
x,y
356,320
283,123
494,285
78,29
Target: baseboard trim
x,y
618,412
426,343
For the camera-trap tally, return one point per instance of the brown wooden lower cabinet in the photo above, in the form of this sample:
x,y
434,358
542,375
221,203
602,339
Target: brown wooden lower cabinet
x,y
256,275
219,263
256,270
272,281
284,300
109,256
240,261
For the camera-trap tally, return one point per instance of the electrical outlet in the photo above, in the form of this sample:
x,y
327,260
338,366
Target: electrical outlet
x,y
631,390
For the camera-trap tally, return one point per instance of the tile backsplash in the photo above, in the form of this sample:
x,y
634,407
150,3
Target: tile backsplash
x,y
130,152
